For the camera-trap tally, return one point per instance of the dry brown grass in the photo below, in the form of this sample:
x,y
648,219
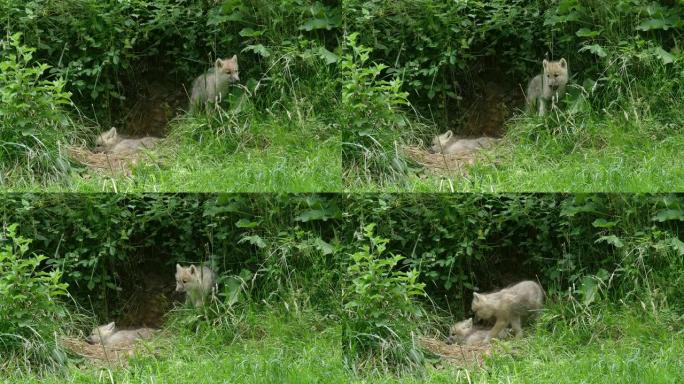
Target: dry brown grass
x,y
466,356
106,163
99,354
438,163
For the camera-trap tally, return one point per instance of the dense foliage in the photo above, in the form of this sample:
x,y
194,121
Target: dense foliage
x,y
104,242
380,306
478,242
442,50
99,47
34,124
457,243
31,308
466,64
131,64
365,259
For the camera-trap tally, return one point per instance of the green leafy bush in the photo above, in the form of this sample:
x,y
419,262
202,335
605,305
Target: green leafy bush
x,y
33,123
443,50
103,49
285,247
31,314
380,306
465,243
372,124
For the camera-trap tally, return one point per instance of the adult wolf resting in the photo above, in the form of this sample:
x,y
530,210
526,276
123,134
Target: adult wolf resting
x,y
213,84
195,282
509,306
109,336
549,86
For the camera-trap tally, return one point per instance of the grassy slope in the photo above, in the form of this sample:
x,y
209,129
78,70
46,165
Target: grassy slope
x,y
600,155
621,349
279,157
274,350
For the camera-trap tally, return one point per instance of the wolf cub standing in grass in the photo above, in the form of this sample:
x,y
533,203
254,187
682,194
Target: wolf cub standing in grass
x,y
197,283
509,306
212,85
549,86
449,144
112,142
464,333
108,336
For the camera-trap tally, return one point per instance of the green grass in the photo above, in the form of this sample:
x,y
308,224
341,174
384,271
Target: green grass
x,y
272,155
600,154
271,349
620,347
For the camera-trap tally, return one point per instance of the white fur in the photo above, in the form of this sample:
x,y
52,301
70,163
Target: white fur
x,y
449,144
108,336
196,282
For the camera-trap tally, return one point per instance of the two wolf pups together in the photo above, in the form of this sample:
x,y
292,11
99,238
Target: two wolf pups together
x,y
209,87
196,282
543,89
509,306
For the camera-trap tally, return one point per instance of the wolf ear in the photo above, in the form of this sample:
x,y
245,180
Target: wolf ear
x,y
469,322
111,132
545,63
448,134
178,268
218,63
476,296
110,326
234,58
193,270
563,63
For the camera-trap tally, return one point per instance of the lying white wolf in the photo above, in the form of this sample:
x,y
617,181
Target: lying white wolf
x,y
465,333
108,336
112,142
449,144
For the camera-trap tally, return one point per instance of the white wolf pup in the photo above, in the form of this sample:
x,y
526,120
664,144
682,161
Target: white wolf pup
x,y
449,144
112,142
549,86
213,84
108,336
509,306
464,333
196,282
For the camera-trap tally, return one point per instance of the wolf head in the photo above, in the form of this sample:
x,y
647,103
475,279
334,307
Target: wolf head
x,y
460,330
555,73
107,139
228,67
100,334
482,306
440,142
187,278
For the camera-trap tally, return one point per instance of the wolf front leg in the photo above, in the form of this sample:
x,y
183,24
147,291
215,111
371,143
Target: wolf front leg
x,y
554,100
517,328
499,326
542,106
